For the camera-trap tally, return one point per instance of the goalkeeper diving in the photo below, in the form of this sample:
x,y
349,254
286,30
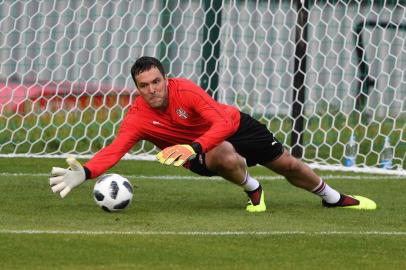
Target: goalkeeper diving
x,y
202,135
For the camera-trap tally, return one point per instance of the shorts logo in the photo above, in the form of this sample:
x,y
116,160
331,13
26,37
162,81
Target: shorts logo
x,y
181,113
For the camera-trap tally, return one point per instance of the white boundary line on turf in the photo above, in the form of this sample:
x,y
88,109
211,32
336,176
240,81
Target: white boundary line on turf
x,y
202,233
259,177
150,157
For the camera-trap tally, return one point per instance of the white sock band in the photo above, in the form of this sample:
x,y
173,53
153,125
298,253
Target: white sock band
x,y
249,183
326,192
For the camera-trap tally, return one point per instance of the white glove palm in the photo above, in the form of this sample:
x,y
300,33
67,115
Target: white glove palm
x,y
64,180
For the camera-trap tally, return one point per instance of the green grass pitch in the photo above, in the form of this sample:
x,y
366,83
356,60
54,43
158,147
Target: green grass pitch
x,y
177,221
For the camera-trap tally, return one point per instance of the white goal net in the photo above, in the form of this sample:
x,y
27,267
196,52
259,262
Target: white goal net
x,y
315,72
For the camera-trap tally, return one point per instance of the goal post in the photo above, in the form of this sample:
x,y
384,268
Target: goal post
x,y
315,72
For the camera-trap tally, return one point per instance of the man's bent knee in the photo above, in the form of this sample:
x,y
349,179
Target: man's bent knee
x,y
223,158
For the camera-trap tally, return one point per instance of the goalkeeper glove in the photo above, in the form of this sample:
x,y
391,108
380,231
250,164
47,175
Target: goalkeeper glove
x,y
176,155
64,180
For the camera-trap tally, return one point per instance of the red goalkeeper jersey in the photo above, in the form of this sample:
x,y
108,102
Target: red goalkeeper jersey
x,y
191,116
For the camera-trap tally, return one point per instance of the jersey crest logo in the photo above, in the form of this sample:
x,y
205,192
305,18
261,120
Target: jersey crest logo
x,y
181,113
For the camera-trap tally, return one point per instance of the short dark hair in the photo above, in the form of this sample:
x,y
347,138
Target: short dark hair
x,y
145,63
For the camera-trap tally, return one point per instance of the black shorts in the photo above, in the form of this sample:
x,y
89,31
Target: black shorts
x,y
252,140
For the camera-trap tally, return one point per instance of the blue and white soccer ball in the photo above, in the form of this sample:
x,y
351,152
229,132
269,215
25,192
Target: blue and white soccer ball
x,y
112,192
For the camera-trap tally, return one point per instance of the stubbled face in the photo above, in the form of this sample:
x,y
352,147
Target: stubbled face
x,y
152,86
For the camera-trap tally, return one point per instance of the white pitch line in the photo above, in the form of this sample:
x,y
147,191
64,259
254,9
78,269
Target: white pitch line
x,y
259,177
202,233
